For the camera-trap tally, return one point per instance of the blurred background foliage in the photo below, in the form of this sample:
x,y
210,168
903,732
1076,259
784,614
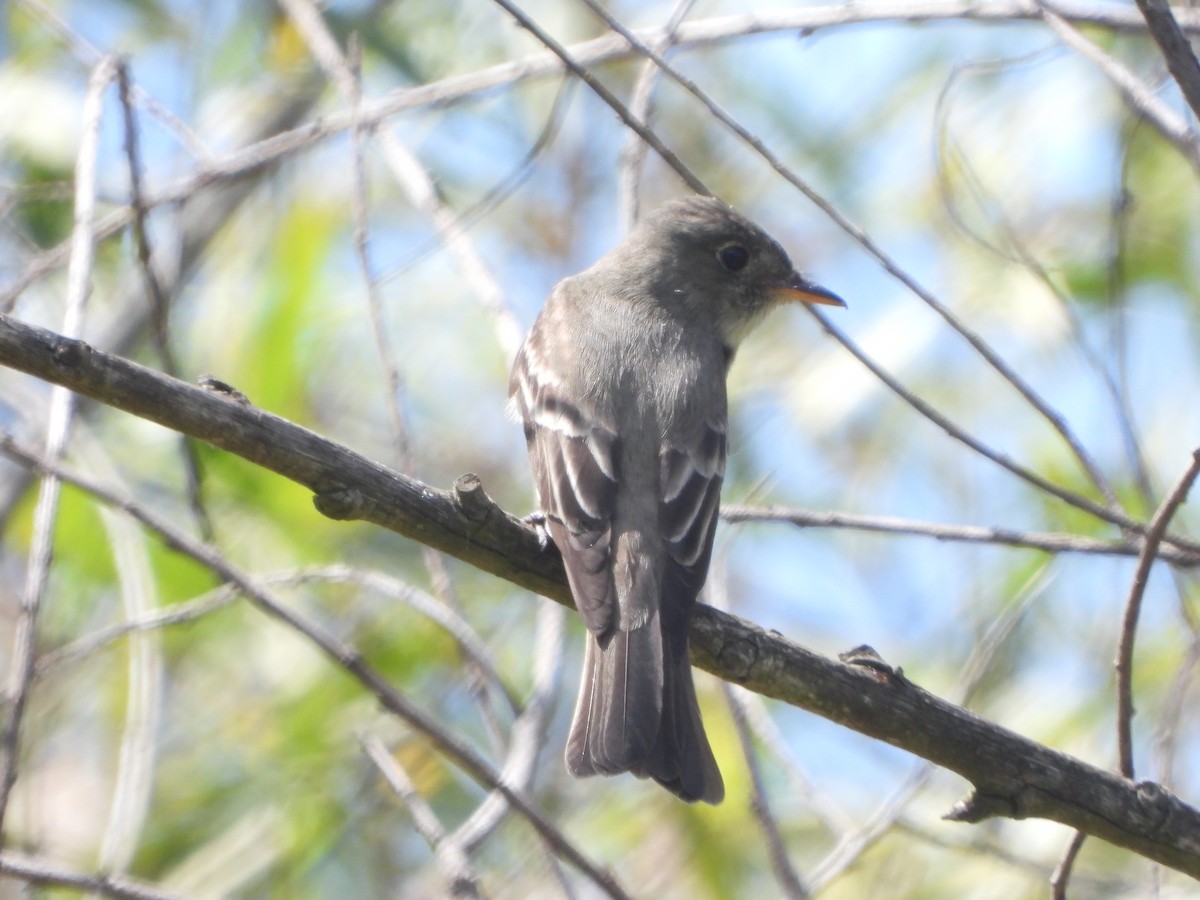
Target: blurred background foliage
x,y
996,167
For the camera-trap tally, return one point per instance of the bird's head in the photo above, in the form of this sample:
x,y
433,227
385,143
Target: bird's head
x,y
715,264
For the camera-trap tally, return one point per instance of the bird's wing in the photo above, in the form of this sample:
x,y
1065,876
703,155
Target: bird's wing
x,y
573,452
690,485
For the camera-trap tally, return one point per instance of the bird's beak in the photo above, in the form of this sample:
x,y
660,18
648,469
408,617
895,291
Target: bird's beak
x,y
798,289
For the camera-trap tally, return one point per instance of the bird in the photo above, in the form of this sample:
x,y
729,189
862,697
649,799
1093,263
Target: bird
x,y
621,388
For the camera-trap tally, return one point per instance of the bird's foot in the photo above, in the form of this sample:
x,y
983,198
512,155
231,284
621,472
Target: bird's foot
x,y
537,521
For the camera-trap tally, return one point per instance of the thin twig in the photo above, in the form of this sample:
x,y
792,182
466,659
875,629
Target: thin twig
x,y
38,870
788,879
436,609
528,734
62,404
1078,501
764,731
411,175
500,191
134,781
629,119
1117,299
90,55
1062,872
361,211
641,105
769,736
1019,253
1133,606
972,845
1166,738
786,875
421,602
852,845
159,304
1170,124
177,614
1050,542
454,864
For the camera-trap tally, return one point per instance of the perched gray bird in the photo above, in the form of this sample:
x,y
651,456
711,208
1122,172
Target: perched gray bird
x,y
621,388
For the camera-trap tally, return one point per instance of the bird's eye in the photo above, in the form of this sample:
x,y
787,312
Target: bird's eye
x,y
733,257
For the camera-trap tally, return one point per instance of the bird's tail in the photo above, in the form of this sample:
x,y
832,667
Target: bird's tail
x,y
637,712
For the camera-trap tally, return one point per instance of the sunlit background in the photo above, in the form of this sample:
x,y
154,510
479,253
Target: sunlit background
x,y
996,168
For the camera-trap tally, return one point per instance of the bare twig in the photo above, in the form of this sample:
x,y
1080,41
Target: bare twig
x,y
1061,876
1170,124
134,780
83,647
38,870
1181,61
631,121
768,736
640,105
1166,736
58,428
786,875
926,409
411,175
455,866
436,609
88,54
1124,661
1018,250
159,304
528,731
508,335
1027,861
361,211
853,844
737,699
971,534
1117,288
388,586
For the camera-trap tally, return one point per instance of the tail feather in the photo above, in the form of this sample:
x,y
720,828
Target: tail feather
x,y
637,712
682,760
620,703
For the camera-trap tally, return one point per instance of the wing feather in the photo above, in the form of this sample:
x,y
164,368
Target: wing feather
x,y
690,480
574,456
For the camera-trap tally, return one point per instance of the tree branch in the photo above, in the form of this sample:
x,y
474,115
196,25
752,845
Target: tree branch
x,y
1181,61
968,534
1011,775
43,871
1137,94
1133,609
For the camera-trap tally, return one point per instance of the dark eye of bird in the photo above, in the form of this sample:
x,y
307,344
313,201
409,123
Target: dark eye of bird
x,y
734,257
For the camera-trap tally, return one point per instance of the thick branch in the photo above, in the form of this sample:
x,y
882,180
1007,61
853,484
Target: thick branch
x,y
1176,49
1011,775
